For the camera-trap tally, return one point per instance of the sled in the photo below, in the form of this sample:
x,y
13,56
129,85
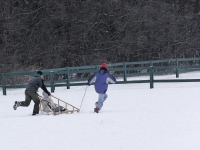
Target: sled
x,y
68,107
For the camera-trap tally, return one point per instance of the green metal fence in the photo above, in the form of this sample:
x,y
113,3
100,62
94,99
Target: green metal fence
x,y
118,70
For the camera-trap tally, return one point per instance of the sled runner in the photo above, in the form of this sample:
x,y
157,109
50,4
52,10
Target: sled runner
x,y
48,106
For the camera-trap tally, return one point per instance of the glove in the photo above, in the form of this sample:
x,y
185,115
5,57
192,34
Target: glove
x,y
49,94
88,84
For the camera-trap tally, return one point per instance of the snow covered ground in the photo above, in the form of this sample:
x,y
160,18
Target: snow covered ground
x,y
134,117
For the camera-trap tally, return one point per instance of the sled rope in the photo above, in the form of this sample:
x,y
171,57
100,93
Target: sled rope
x,y
83,98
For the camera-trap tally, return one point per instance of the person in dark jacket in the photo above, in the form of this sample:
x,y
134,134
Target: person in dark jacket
x,y
31,93
101,79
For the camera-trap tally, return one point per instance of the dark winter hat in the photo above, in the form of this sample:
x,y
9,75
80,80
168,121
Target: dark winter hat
x,y
103,65
39,72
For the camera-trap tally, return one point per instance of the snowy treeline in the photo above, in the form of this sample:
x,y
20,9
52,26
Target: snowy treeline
x,y
44,34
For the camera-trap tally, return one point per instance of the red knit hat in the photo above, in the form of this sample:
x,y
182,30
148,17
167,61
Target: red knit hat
x,y
103,65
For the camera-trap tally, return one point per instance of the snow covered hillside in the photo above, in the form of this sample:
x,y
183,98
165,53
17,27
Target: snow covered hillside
x,y
134,117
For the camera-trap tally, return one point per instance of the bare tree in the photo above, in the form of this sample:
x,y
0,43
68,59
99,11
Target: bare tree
x,y
53,34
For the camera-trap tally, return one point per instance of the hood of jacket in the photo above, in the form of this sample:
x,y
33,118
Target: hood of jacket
x,y
103,71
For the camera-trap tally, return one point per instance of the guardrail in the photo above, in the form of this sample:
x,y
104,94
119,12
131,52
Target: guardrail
x,y
124,70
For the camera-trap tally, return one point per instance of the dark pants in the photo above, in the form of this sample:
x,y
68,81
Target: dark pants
x,y
31,96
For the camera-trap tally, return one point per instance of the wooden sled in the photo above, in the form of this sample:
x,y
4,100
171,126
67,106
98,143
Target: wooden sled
x,y
68,107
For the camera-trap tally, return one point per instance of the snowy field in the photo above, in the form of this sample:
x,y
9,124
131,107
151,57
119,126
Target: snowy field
x,y
134,117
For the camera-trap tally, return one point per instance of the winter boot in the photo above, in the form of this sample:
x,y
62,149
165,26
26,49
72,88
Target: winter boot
x,y
17,104
34,114
96,110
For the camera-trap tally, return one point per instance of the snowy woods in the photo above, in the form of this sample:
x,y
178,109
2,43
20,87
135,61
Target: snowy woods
x,y
43,34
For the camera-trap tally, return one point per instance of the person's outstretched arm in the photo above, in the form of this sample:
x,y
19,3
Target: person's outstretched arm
x,y
91,79
111,79
45,89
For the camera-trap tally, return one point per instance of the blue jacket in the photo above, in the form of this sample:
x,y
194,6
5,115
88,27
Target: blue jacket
x,y
101,79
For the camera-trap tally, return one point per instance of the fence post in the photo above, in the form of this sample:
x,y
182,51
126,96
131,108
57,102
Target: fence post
x,y
151,77
125,72
151,63
177,72
4,83
52,81
68,84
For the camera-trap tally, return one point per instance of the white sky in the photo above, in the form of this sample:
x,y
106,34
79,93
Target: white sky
x,y
134,117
